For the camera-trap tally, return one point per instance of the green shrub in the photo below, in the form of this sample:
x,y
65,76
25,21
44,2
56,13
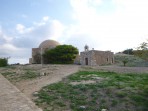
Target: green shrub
x,y
3,62
62,54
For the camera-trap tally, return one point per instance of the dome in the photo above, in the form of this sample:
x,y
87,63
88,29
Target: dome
x,y
49,44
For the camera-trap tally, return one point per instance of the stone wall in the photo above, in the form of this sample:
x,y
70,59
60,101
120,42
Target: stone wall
x,y
36,53
94,57
104,57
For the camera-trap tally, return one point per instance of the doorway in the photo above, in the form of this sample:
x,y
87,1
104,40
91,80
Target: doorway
x,y
86,61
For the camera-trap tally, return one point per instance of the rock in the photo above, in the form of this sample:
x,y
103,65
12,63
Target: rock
x,y
49,108
42,73
104,110
82,107
35,93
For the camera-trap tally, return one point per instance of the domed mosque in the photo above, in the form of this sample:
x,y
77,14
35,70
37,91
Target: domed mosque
x,y
37,52
87,57
49,44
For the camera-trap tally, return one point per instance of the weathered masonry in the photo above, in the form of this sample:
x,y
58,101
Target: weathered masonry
x,y
95,57
37,52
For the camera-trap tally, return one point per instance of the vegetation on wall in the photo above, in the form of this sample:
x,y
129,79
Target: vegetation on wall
x,y
62,54
3,62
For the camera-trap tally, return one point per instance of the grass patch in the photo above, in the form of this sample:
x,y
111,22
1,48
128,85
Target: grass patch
x,y
29,75
15,76
125,92
133,61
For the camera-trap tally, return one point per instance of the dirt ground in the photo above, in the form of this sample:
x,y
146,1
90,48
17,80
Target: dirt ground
x,y
55,73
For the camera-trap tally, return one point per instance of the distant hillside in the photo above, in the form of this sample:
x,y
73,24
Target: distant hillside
x,y
132,60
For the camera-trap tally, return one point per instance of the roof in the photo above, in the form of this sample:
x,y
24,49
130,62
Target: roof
x,y
49,44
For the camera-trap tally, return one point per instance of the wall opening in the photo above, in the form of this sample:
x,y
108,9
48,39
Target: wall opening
x,y
86,61
107,59
112,60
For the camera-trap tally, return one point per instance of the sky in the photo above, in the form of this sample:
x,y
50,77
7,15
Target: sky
x,y
113,25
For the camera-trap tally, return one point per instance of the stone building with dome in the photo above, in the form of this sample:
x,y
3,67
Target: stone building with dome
x,y
95,57
87,57
37,52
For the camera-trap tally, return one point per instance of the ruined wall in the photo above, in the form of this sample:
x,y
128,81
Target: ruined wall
x,y
30,60
36,55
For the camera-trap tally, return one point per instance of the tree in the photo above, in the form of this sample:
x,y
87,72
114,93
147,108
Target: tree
x,y
142,51
62,54
3,62
143,46
125,61
128,51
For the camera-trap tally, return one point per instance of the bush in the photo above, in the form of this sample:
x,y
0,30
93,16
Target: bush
x,y
3,62
125,61
62,54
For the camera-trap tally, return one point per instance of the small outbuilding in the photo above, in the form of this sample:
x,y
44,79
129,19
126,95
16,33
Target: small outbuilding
x,y
95,57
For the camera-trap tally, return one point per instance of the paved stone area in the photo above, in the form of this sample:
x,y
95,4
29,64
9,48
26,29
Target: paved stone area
x,y
11,99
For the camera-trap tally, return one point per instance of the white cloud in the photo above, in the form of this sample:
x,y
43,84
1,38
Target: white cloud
x,y
124,24
9,50
125,27
20,28
4,38
9,47
24,38
43,21
39,31
17,55
46,18
57,29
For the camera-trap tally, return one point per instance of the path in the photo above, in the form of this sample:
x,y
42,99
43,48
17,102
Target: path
x,y
30,86
11,99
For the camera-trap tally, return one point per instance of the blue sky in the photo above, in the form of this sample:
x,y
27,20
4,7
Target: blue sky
x,y
102,24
